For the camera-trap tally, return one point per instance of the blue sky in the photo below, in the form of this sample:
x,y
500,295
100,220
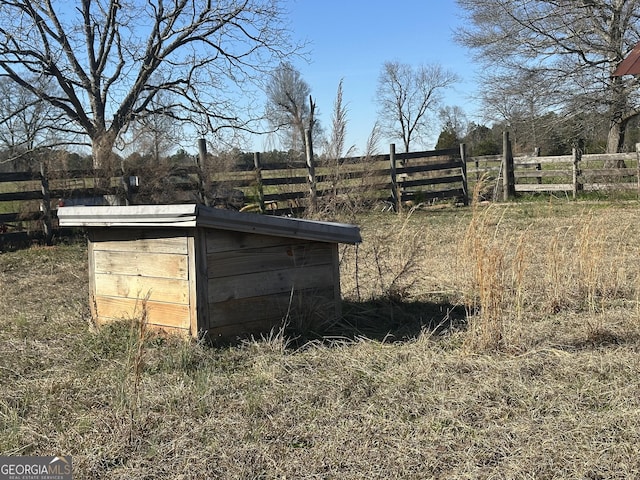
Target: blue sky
x,y
351,39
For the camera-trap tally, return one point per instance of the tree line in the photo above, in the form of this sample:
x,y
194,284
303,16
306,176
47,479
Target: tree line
x,y
126,79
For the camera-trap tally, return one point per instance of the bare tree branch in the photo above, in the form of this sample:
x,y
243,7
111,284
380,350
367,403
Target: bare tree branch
x,y
111,58
406,96
570,47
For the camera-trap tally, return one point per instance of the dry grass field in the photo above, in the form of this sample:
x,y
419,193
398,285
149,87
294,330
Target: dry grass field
x,y
484,342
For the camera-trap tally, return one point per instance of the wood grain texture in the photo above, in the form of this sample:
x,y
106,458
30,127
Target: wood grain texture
x,y
169,290
199,305
143,264
141,240
158,313
226,241
269,283
311,307
266,259
231,332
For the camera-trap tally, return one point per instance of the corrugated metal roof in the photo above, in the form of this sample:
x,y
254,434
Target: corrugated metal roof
x,y
192,215
631,64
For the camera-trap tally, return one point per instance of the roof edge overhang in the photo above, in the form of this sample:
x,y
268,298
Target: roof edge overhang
x,y
192,215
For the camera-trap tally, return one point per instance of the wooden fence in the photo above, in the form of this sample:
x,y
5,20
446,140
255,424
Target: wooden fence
x,y
29,200
507,175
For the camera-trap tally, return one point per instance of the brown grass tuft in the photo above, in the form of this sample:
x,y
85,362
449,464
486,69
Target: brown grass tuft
x,y
557,397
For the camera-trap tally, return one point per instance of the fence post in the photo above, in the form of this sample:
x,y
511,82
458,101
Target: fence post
x,y
508,179
536,153
577,186
463,170
311,169
46,202
395,195
260,190
202,159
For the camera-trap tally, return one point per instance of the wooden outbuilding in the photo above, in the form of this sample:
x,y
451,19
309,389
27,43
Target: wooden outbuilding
x,y
197,270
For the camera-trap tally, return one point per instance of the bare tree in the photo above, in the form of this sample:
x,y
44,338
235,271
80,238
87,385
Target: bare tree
x,y
557,56
28,125
156,134
111,58
290,107
407,96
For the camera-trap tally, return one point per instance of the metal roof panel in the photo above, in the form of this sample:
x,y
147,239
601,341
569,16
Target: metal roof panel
x,y
192,215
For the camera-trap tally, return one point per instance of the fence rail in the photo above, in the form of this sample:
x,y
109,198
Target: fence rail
x,y
29,200
560,173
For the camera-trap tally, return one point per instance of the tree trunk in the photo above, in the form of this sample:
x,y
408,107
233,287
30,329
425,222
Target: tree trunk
x,y
615,142
102,150
103,158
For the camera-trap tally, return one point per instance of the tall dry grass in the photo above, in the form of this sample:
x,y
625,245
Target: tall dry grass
x,y
554,397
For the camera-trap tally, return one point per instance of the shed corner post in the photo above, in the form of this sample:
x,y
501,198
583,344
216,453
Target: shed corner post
x,y
198,283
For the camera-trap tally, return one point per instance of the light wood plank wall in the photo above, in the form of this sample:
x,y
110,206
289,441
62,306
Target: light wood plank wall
x,y
133,267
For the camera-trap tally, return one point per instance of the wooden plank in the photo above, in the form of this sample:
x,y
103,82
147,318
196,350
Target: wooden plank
x,y
283,166
603,157
198,284
132,286
430,195
279,257
431,181
243,330
193,286
141,240
337,294
310,307
158,313
449,152
19,176
282,197
141,263
487,159
16,196
549,187
543,173
284,181
550,159
450,165
92,281
226,241
270,283
610,186
609,172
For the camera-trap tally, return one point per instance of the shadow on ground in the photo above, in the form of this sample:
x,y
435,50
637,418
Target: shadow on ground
x,y
390,321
